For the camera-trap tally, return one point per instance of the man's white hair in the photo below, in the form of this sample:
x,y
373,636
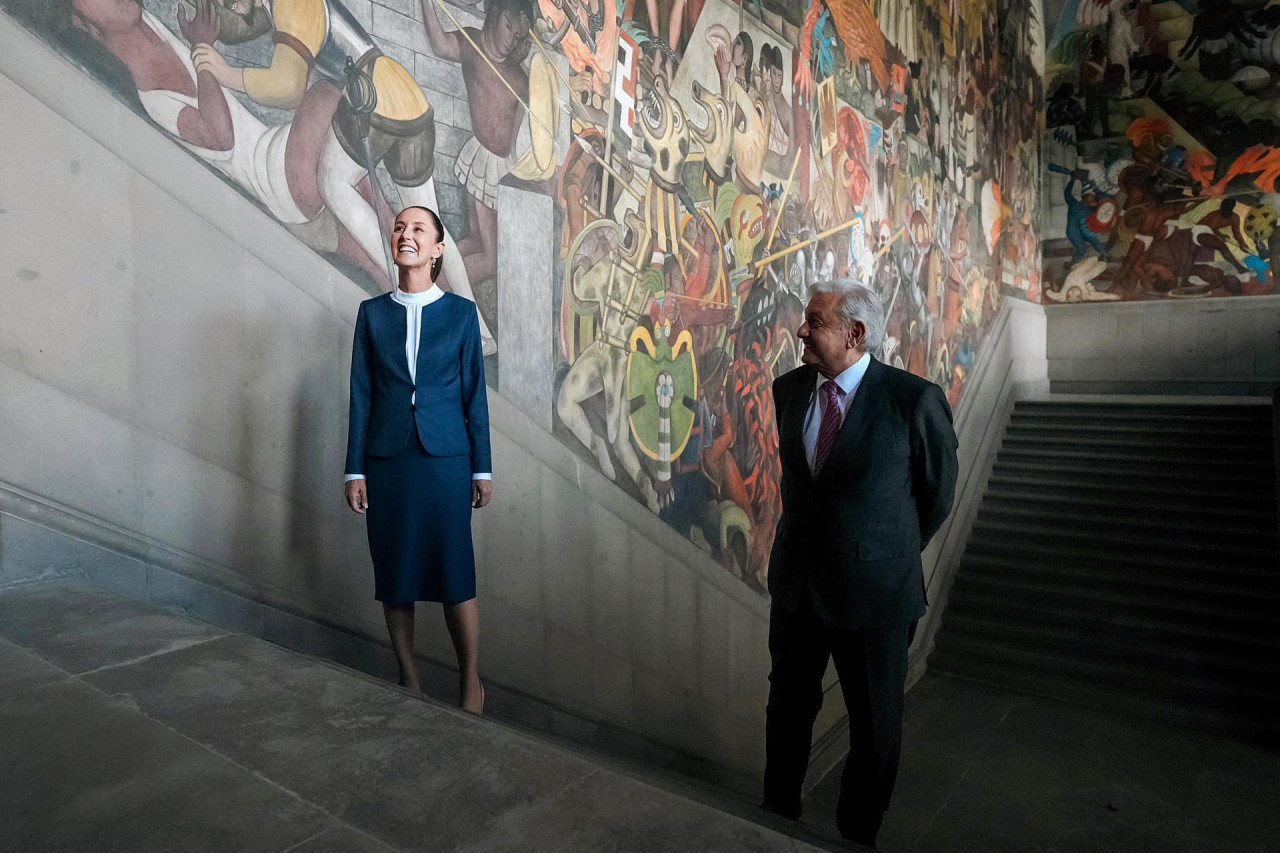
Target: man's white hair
x,y
858,303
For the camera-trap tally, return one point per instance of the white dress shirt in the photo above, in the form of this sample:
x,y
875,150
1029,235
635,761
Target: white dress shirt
x,y
847,382
413,304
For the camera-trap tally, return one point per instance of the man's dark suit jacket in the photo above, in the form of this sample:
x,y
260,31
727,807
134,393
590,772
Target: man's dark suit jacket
x,y
853,534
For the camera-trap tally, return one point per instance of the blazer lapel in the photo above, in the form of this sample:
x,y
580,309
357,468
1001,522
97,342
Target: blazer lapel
x,y
425,343
791,438
866,402
438,330
394,337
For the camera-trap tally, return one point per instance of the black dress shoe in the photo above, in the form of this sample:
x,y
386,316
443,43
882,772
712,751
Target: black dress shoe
x,y
791,812
862,830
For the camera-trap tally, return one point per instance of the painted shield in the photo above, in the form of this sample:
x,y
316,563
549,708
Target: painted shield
x,y
1103,218
662,388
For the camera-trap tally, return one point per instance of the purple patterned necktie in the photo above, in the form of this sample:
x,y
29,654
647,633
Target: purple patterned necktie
x,y
831,419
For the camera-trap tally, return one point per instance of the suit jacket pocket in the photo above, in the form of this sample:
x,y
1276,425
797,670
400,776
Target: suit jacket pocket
x,y
870,550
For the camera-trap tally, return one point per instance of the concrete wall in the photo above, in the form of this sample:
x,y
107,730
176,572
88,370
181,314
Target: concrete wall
x,y
173,375
1206,346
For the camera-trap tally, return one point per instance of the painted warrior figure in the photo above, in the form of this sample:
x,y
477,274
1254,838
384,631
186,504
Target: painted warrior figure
x,y
497,88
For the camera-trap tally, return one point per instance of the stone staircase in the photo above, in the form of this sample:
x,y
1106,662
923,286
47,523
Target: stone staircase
x,y
1125,556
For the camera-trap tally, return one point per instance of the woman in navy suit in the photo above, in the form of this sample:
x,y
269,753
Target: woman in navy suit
x,y
418,448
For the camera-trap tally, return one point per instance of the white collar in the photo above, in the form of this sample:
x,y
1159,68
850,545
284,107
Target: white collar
x,y
851,377
417,300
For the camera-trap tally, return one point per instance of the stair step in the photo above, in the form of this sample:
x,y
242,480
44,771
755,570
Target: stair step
x,y
1096,491
1252,524
1107,448
1154,411
1006,603
1191,686
1214,439
1238,572
1169,502
1123,534
1232,611
1158,479
1096,461
1248,595
1136,548
1098,687
1165,424
1207,673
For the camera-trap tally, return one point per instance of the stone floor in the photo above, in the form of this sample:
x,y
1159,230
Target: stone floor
x,y
985,769
126,727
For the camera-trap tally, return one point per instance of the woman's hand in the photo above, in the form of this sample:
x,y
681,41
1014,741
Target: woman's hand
x,y
357,494
481,492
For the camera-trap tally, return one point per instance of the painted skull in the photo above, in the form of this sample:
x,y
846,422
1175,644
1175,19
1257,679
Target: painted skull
x,y
666,134
717,135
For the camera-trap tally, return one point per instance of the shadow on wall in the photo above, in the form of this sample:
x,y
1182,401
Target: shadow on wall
x,y
321,530
314,404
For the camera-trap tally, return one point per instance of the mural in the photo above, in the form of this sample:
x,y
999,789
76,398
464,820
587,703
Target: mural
x,y
1163,150
703,161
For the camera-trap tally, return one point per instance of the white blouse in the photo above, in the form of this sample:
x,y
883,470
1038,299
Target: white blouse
x,y
413,304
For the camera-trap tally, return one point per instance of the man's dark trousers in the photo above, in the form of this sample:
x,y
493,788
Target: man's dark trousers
x,y
872,666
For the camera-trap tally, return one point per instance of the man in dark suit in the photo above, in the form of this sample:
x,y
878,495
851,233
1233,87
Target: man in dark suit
x,y
868,476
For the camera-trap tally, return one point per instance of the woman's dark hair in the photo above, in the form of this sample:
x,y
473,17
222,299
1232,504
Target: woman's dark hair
x,y
435,220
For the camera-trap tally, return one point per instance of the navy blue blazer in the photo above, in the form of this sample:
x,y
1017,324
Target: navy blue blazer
x,y
452,410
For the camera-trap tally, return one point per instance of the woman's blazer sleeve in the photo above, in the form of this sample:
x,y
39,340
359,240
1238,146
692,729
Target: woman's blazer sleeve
x,y
475,398
361,391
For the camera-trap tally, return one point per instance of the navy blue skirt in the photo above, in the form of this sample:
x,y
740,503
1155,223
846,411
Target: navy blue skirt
x,y
419,523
